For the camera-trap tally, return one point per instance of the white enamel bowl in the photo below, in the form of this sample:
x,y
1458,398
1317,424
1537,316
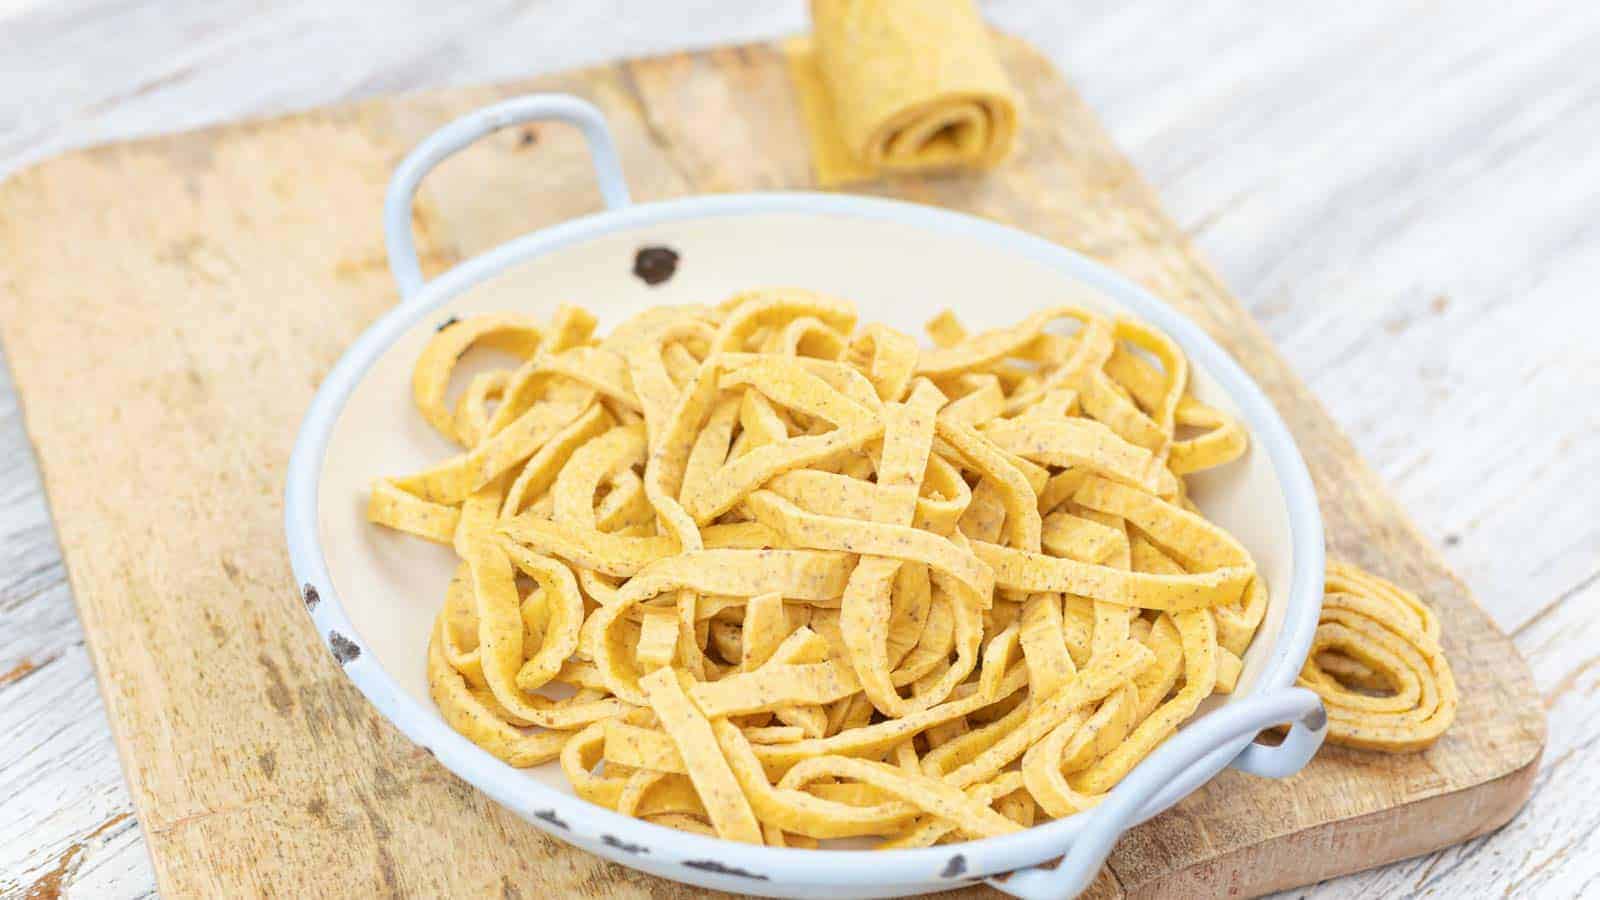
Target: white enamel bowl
x,y
373,593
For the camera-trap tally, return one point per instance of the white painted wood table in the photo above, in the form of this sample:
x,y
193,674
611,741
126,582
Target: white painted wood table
x,y
1407,194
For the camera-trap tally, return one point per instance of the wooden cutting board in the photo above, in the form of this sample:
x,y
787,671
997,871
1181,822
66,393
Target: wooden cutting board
x,y
169,306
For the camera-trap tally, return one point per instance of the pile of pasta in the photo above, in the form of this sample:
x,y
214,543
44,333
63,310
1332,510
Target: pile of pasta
x,y
756,571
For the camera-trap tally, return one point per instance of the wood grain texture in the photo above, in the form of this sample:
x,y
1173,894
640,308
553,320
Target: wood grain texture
x,y
252,763
1400,192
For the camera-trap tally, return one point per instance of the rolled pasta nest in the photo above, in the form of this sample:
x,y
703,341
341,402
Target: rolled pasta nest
x,y
755,571
899,86
1378,666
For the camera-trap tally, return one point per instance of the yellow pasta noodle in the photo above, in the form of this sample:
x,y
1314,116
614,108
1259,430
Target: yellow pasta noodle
x,y
751,571
1378,666
901,85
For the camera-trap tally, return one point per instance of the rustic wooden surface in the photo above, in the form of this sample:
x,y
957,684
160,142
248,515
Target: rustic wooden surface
x,y
206,307
1399,192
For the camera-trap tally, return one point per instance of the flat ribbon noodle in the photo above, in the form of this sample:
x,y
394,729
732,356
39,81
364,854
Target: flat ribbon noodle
x,y
796,581
1400,695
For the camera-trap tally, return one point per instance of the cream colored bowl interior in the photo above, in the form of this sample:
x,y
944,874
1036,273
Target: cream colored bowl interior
x,y
391,585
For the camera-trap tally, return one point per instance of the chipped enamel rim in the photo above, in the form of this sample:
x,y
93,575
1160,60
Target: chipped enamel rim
x,y
711,862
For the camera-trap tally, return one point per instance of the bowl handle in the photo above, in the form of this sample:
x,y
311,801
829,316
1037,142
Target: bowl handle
x,y
464,131
1288,757
1118,812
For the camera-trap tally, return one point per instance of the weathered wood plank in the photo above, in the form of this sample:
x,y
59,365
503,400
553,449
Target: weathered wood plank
x,y
1462,113
203,338
65,814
